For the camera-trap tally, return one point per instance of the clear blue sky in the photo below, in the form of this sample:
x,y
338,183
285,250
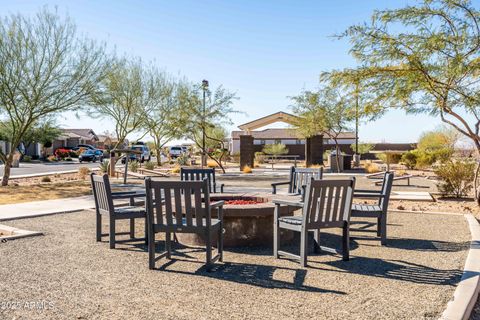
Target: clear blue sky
x,y
263,50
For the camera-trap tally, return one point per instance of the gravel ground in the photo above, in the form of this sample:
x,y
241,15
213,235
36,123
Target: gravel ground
x,y
77,278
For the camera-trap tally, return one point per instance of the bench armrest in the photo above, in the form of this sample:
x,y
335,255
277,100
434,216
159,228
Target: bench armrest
x,y
217,204
220,185
368,195
128,194
291,203
275,184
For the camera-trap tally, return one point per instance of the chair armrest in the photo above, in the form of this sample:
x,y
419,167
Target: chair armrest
x,y
275,184
128,195
366,191
220,185
368,195
217,204
288,203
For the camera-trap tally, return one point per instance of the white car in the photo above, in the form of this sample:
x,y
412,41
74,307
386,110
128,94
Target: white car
x,y
176,151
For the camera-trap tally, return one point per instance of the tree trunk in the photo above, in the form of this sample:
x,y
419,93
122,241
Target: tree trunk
x,y
159,156
7,169
337,158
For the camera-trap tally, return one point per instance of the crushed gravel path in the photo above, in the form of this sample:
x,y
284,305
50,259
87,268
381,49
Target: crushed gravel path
x,y
77,278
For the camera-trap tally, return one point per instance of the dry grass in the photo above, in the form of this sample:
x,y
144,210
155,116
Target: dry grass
x,y
371,167
26,193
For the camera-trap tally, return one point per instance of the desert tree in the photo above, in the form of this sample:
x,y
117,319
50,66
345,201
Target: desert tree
x,y
424,58
196,120
124,93
162,114
46,69
324,111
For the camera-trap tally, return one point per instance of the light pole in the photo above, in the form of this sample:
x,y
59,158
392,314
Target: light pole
x,y
204,88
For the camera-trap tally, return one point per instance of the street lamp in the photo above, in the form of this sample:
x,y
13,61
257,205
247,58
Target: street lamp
x,y
204,88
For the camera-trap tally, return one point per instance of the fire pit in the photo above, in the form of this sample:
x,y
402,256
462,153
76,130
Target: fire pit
x,y
247,220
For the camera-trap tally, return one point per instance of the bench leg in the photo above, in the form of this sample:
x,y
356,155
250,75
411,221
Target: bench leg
x,y
316,243
132,228
303,248
112,233
208,240
346,242
151,247
276,232
168,244
383,224
99,226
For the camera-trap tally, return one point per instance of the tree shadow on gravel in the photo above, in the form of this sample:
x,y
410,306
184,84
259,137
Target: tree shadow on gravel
x,y
252,274
394,269
424,245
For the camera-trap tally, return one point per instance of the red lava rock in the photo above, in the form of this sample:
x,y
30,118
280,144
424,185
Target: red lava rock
x,y
241,202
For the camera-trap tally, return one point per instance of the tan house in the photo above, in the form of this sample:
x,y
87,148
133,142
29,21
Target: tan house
x,y
286,136
71,138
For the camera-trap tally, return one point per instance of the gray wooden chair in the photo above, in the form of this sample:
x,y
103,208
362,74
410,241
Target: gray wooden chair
x,y
327,205
187,174
186,209
298,179
378,210
104,205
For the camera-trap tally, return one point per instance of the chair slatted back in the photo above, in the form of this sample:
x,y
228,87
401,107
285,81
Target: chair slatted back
x,y
327,201
386,190
102,193
299,177
186,203
187,174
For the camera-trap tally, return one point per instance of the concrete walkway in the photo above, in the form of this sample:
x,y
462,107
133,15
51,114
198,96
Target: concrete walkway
x,y
39,208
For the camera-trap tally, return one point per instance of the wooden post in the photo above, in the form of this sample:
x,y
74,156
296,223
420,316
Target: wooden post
x,y
112,164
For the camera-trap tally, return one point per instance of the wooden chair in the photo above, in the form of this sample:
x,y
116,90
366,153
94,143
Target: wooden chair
x,y
378,210
200,174
186,209
104,205
327,205
298,179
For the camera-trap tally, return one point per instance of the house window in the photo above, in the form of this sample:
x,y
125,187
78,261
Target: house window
x,y
262,141
278,141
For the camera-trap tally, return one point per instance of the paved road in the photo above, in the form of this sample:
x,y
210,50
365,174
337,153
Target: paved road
x,y
38,168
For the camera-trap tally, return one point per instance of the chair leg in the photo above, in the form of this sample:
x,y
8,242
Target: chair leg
x,y
276,232
379,226
208,240
346,242
316,244
112,233
168,244
132,228
220,243
99,226
151,247
383,224
303,248
146,232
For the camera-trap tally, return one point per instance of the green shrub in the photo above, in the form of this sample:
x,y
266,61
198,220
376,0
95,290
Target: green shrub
x,y
392,157
235,157
68,159
133,166
409,159
149,165
104,166
182,160
456,177
275,149
260,157
27,159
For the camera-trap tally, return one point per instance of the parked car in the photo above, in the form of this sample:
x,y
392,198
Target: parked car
x,y
176,151
91,155
142,157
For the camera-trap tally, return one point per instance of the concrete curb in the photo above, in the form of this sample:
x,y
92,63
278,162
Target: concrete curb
x,y
44,174
465,296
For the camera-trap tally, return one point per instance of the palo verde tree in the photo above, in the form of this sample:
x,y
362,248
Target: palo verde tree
x,y
125,92
425,58
196,119
162,114
46,68
324,111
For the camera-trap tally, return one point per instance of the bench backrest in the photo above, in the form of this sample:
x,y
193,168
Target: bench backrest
x,y
328,202
386,190
186,203
187,174
102,193
299,177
